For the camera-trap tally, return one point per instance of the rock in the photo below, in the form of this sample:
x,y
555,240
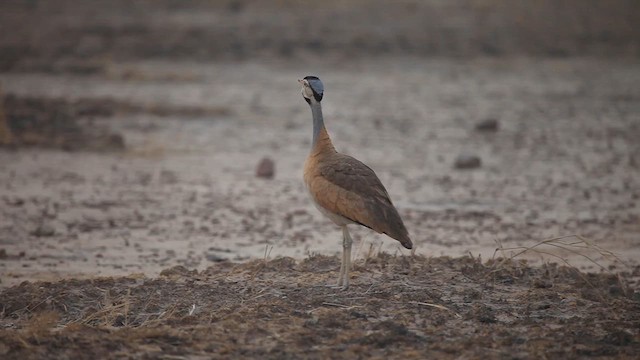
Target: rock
x,y
214,258
488,125
466,161
266,168
14,201
44,230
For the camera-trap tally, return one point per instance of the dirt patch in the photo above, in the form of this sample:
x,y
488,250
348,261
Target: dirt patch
x,y
402,306
56,123
69,124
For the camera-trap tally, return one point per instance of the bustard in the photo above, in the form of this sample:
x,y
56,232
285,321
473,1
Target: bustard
x,y
343,188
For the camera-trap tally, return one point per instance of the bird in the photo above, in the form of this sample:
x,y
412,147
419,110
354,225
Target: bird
x,y
343,188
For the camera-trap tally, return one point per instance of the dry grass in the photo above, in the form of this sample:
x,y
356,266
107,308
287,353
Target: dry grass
x,y
437,306
572,244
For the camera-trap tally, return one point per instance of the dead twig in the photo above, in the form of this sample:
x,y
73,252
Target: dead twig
x,y
437,306
342,306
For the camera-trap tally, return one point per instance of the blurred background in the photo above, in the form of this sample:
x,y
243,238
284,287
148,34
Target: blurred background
x,y
138,135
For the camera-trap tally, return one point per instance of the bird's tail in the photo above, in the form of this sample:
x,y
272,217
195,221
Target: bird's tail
x,y
406,242
402,236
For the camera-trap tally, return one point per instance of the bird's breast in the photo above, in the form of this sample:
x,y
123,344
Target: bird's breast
x,y
322,192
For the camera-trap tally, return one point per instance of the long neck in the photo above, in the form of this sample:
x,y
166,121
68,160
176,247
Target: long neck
x,y
318,121
321,138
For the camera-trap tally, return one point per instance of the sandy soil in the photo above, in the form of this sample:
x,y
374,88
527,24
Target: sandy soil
x,y
135,163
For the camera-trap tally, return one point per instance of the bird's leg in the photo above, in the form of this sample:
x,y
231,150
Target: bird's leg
x,y
342,263
346,258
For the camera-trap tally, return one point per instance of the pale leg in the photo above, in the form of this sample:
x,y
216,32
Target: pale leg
x,y
346,258
342,263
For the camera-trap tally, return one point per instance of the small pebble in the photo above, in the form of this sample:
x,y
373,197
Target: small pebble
x,y
214,258
266,168
465,161
488,125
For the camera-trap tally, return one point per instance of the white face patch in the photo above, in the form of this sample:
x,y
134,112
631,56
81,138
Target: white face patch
x,y
306,89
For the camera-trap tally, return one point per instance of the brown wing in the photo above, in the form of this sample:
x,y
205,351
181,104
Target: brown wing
x,y
372,207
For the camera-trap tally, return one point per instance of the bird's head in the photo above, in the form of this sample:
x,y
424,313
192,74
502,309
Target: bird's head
x,y
312,88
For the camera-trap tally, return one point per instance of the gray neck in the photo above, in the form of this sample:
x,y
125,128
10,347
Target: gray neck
x,y
318,122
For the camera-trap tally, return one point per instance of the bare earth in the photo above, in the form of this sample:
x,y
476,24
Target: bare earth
x,y
154,238
401,307
564,161
184,192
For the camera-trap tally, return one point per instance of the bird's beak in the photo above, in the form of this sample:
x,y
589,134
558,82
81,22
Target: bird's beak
x,y
299,81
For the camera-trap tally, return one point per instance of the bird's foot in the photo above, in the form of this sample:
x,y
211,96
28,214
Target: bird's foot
x,y
339,287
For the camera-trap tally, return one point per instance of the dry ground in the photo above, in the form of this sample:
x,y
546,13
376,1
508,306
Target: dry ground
x,y
183,190
138,129
402,307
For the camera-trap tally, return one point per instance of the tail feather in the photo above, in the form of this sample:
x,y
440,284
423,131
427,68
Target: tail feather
x,y
403,238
